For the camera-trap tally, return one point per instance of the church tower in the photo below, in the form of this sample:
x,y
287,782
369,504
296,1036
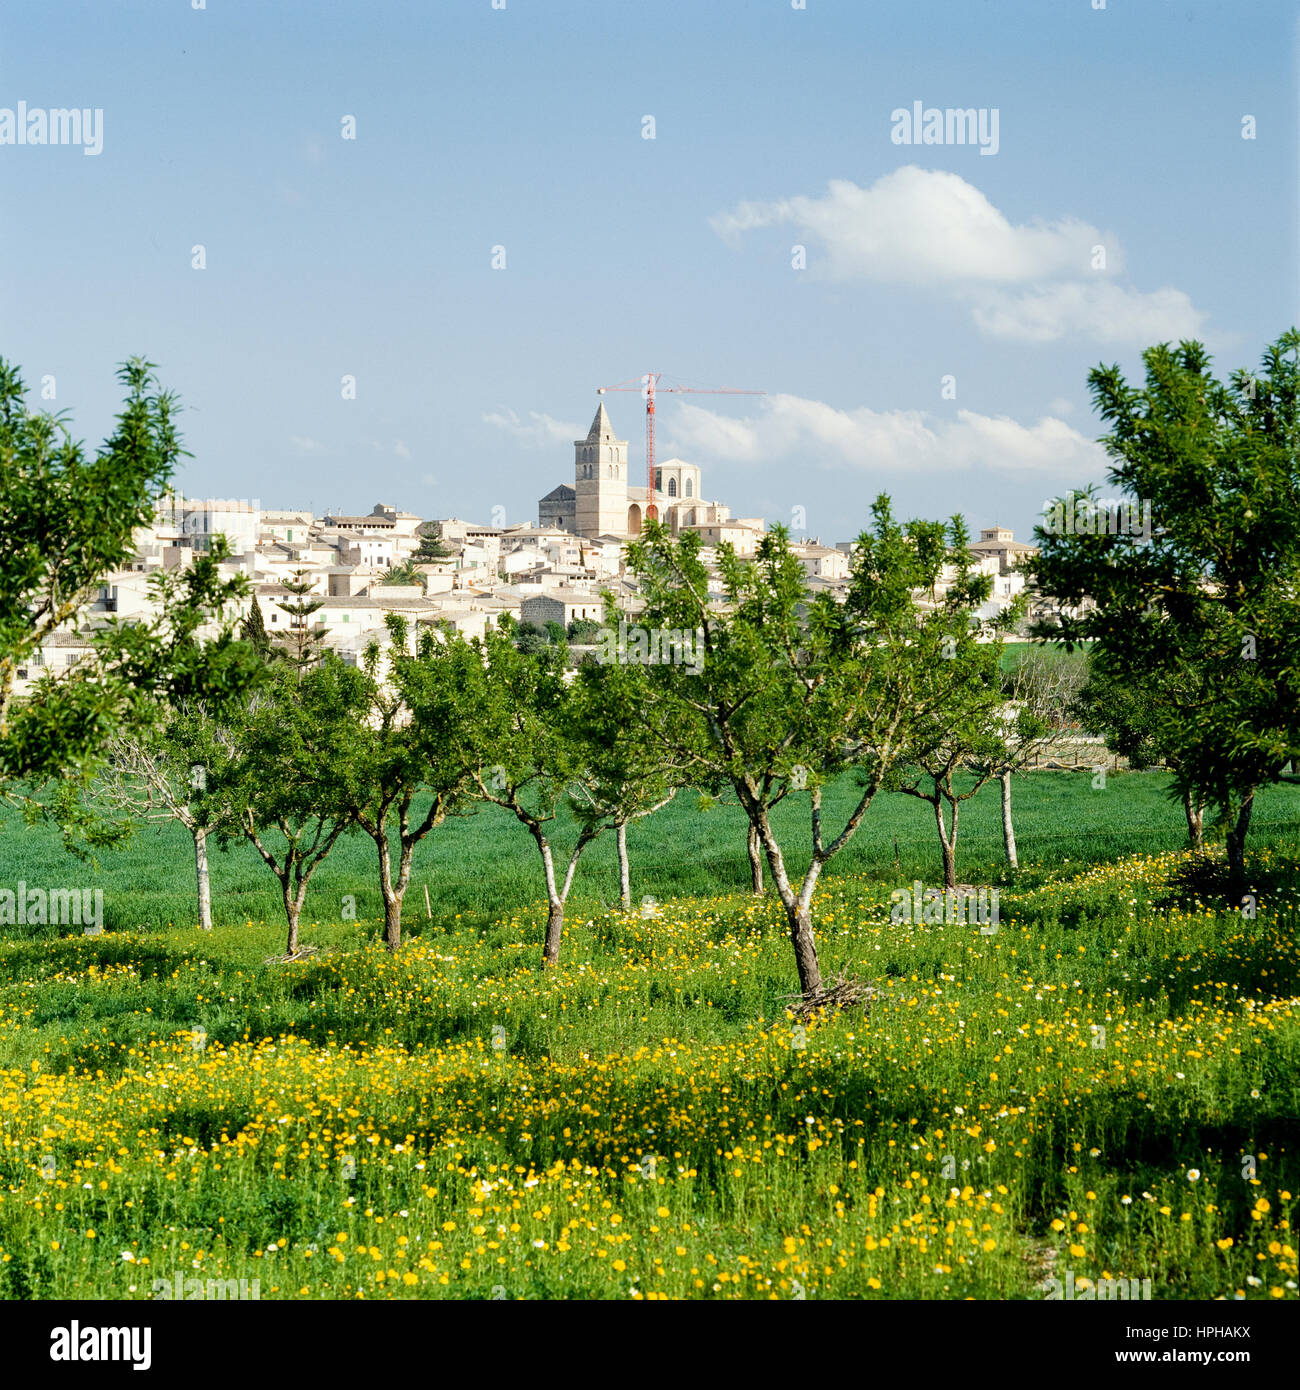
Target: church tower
x,y
600,479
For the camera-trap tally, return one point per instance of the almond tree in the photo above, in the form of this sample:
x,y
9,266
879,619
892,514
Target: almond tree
x,y
410,737
524,756
795,688
1128,718
278,778
628,776
68,520
1205,604
1041,691
161,776
156,768
963,734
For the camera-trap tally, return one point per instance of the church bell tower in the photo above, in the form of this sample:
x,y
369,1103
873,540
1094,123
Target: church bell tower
x,y
600,479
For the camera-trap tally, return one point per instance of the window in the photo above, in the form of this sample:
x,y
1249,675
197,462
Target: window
x,y
288,535
672,487
688,488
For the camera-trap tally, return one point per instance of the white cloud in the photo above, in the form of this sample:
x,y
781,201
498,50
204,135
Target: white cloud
x,y
400,449
920,225
930,228
1104,312
539,431
301,444
793,427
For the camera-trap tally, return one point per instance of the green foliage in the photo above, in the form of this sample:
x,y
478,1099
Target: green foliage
x,y
959,724
304,640
1129,717
408,735
584,631
1202,614
627,774
278,772
253,631
69,519
796,688
404,574
531,639
431,549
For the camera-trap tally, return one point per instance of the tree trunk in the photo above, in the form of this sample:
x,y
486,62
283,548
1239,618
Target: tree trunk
x,y
1008,829
555,901
1195,821
805,949
624,871
1237,842
798,913
949,847
392,894
291,911
554,930
201,871
755,863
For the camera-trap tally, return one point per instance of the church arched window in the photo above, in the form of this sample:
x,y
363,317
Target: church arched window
x,y
688,487
672,487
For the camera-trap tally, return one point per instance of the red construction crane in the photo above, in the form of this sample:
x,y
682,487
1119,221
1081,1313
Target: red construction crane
x,y
647,385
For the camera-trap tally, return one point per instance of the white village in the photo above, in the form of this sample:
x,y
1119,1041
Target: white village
x,y
451,574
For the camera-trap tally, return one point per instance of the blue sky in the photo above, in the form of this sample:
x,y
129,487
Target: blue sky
x,y
522,128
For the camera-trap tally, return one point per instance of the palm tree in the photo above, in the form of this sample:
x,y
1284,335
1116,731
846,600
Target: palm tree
x,y
405,573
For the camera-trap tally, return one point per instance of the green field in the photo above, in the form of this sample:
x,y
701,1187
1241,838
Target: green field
x,y
1105,1087
483,865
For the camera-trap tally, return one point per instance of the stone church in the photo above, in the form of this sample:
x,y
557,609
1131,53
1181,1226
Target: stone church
x,y
604,502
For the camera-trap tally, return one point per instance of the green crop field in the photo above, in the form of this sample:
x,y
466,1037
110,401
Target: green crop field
x,y
1103,1088
484,865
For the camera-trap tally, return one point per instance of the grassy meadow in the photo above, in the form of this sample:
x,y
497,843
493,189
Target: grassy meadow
x,y
483,865
1106,1086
